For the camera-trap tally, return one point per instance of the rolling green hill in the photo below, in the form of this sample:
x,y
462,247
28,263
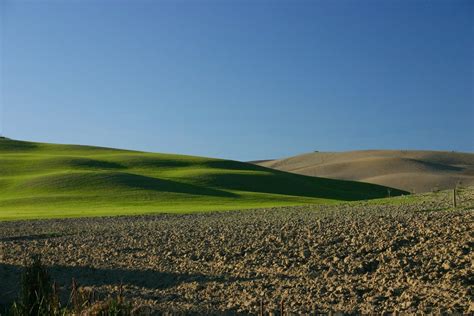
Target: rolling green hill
x,y
40,180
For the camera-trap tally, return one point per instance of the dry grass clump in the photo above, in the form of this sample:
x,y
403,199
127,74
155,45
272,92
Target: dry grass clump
x,y
40,296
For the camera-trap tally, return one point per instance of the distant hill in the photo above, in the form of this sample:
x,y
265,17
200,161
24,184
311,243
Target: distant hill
x,y
421,171
46,180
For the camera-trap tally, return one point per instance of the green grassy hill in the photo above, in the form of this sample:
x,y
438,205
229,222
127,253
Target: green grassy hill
x,y
40,180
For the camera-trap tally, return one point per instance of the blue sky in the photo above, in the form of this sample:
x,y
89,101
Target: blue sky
x,y
239,79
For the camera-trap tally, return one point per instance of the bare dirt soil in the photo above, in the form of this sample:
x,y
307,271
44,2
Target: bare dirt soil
x,y
410,170
354,257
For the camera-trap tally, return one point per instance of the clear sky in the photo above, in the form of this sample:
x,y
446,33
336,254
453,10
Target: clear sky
x,y
239,79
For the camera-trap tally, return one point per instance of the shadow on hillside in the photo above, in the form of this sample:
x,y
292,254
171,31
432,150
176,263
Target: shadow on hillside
x,y
278,182
233,165
121,180
95,164
154,162
15,145
164,185
435,166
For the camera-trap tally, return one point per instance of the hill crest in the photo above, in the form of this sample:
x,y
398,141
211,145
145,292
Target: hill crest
x,y
52,180
409,170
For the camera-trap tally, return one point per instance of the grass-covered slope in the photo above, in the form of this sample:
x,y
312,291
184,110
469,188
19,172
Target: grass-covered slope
x,y
40,180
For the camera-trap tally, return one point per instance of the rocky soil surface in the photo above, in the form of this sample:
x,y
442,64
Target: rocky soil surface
x,y
409,256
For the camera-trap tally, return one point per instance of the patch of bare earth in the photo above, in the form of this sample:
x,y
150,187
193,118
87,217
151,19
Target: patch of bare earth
x,y
354,257
409,170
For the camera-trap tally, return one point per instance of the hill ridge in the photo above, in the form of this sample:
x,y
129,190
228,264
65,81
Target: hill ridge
x,y
409,170
53,180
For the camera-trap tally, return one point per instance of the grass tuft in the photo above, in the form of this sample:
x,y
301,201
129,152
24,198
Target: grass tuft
x,y
40,297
